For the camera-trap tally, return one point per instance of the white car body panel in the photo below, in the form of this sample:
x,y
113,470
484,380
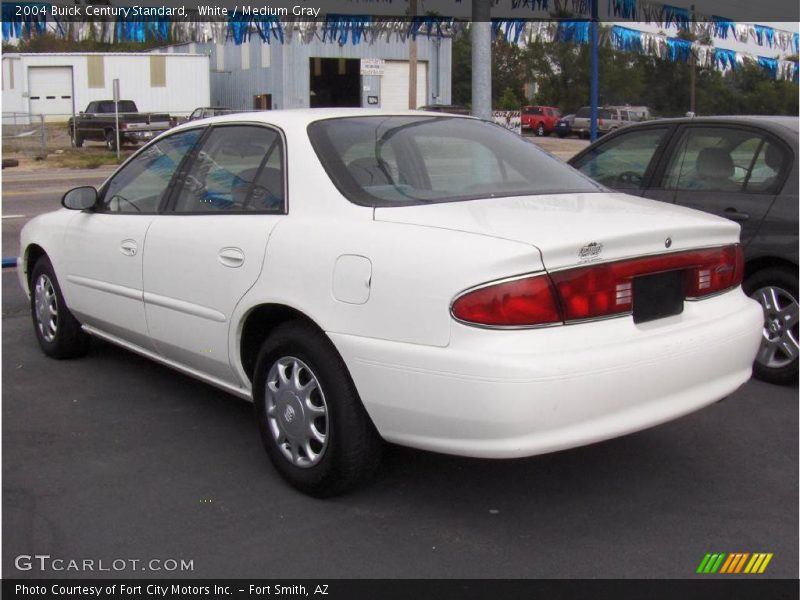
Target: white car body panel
x,y
380,283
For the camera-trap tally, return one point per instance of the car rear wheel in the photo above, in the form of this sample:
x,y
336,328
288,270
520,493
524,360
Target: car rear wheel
x,y
58,332
312,423
776,290
111,141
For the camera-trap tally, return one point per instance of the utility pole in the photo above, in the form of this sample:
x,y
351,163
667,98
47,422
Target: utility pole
x,y
692,66
595,77
412,62
481,59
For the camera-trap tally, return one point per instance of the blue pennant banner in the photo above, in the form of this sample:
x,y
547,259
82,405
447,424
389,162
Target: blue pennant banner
x,y
678,50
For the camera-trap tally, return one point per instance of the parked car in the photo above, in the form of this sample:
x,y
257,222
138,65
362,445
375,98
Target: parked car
x,y
432,281
99,123
564,125
741,168
453,109
205,112
609,118
540,119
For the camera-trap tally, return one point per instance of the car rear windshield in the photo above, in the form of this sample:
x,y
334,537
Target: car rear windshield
x,y
125,106
402,160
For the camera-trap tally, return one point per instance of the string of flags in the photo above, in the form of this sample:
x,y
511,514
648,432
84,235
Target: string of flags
x,y
354,29
651,44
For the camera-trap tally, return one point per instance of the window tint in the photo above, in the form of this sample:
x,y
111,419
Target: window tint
x,y
125,106
769,164
532,110
622,161
722,160
584,112
413,160
238,169
140,185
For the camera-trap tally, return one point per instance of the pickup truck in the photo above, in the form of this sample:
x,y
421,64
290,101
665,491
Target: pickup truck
x,y
98,123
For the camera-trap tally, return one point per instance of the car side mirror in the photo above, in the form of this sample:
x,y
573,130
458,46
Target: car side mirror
x,y
80,198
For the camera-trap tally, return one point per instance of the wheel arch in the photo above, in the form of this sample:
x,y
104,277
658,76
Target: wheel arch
x,y
33,252
257,324
767,262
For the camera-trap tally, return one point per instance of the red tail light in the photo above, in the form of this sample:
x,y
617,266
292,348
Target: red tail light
x,y
597,290
521,302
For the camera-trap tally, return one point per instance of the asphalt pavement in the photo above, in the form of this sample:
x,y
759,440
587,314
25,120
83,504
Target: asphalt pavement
x,y
112,456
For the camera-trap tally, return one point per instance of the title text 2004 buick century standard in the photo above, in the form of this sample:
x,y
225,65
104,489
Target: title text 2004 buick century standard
x,y
433,281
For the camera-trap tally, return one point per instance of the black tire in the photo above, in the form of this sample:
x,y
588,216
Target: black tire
x,y
66,339
76,139
785,281
540,130
111,140
352,448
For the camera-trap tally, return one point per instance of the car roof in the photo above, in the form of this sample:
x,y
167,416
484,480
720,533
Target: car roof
x,y
777,124
302,117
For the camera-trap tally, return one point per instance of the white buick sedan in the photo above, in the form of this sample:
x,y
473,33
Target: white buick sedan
x,y
425,279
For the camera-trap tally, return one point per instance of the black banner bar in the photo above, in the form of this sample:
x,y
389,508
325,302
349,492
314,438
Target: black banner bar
x,y
732,588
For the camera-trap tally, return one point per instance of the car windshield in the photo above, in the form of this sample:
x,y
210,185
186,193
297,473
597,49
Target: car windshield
x,y
401,160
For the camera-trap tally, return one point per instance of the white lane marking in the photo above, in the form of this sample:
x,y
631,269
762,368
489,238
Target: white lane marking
x,y
15,216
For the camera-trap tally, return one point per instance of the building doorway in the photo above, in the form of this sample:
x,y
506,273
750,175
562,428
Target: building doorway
x,y
262,102
335,82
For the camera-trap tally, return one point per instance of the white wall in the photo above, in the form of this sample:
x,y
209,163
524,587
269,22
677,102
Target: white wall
x,y
187,81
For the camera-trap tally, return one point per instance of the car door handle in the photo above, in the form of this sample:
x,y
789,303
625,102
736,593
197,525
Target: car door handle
x,y
128,247
231,257
734,215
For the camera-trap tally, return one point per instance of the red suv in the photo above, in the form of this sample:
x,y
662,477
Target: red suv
x,y
540,119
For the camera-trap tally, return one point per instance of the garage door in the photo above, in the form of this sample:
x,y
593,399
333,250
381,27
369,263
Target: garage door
x,y
50,90
394,85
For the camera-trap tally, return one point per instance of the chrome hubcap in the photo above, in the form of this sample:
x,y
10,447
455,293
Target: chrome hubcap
x,y
779,345
296,412
46,307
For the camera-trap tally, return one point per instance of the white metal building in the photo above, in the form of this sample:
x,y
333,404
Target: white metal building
x,y
60,84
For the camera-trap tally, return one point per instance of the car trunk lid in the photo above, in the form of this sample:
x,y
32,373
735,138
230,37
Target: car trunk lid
x,y
573,229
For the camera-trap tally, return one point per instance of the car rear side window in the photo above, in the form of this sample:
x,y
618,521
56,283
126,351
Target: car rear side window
x,y
400,160
238,168
723,159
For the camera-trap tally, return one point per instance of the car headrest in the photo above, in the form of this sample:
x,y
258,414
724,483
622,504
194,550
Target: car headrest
x,y
368,172
714,163
773,157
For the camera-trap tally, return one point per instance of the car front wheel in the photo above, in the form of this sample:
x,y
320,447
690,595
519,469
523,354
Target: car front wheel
x,y
540,130
776,290
312,423
111,141
58,332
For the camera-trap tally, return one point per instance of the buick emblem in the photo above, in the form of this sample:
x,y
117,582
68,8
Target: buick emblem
x,y
668,242
288,414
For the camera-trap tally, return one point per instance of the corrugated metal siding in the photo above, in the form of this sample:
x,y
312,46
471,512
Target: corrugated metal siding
x,y
288,78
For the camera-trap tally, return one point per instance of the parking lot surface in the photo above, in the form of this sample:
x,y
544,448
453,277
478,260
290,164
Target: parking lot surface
x,y
113,456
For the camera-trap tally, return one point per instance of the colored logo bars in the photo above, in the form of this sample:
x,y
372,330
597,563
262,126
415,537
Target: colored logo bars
x,y
737,562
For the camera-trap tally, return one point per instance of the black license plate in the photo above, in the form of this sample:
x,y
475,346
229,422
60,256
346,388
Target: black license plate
x,y
658,296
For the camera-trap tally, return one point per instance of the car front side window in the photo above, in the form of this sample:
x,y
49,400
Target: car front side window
x,y
140,185
622,161
239,168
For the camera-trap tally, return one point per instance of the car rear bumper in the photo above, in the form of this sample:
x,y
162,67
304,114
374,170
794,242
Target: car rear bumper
x,y
506,394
